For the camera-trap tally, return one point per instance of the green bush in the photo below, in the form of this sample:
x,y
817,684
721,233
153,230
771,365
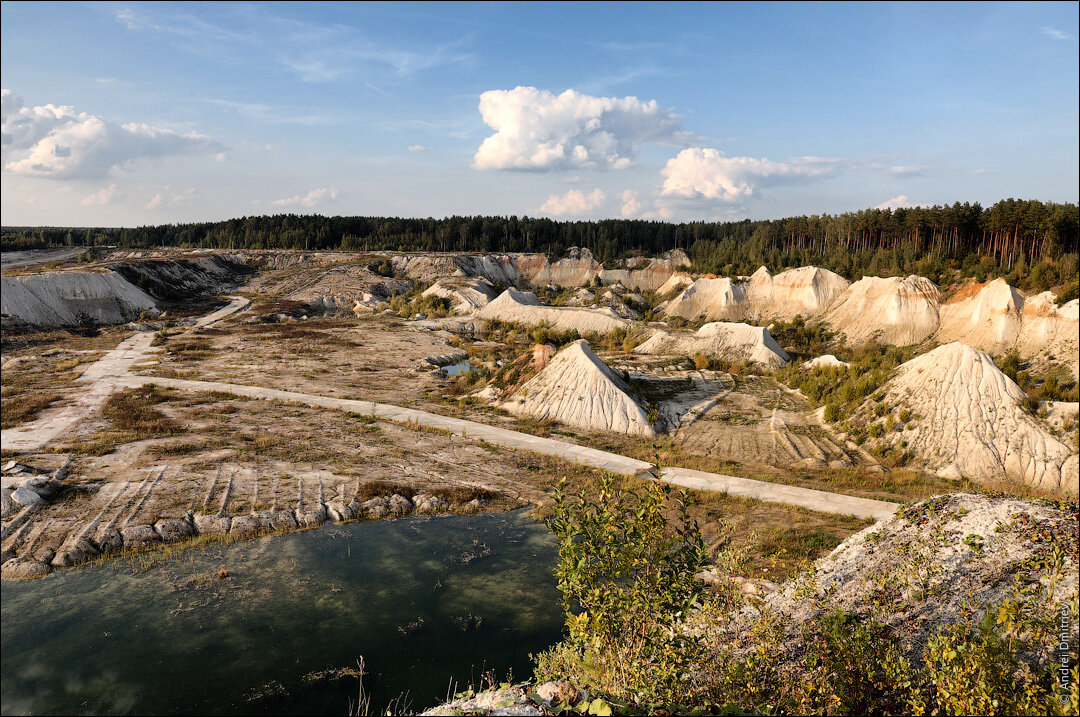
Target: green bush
x,y
626,573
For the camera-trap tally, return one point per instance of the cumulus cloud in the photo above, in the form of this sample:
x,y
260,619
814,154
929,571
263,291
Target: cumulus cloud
x,y
309,200
631,204
704,173
573,203
539,130
106,195
57,142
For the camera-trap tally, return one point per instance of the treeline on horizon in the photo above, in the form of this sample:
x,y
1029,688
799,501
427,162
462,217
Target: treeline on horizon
x,y
1032,243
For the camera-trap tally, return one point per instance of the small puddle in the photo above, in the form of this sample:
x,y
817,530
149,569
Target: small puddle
x,y
455,369
428,602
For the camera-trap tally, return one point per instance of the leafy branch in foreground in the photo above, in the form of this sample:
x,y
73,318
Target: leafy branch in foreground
x,y
626,572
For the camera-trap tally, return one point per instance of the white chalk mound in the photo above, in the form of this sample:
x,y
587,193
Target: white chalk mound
x,y
523,307
808,290
984,316
898,311
578,389
64,298
715,299
719,339
969,422
1047,329
826,361
466,294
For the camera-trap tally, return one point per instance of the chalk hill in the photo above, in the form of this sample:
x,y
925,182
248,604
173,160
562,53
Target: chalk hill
x,y
578,389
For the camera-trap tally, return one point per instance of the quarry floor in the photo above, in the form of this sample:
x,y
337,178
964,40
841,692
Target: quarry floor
x,y
317,444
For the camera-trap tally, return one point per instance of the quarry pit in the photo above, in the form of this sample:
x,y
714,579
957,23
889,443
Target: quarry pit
x,y
132,409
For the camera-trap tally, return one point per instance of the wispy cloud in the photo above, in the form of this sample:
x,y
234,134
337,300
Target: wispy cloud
x,y
417,148
316,53
1055,34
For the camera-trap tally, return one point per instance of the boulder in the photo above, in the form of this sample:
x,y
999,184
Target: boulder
x,y
25,497
138,535
174,529
212,524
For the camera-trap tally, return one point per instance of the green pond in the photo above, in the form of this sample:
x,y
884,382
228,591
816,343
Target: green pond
x,y
431,604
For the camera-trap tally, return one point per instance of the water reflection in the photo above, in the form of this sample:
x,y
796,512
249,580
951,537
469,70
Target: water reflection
x,y
426,601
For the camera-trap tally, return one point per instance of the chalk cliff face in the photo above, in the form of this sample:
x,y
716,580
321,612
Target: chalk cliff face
x,y
1047,329
898,311
115,294
68,298
984,316
577,268
715,299
808,291
523,307
968,420
728,341
578,389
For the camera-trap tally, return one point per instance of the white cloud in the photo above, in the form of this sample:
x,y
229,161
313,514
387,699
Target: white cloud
x,y
105,195
706,173
167,199
631,205
57,142
538,130
573,203
1054,34
417,148
309,200
898,202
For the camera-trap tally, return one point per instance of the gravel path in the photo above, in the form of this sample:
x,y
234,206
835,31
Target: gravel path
x,y
102,377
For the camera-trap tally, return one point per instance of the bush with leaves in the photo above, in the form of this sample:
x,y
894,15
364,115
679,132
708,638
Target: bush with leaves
x,y
627,561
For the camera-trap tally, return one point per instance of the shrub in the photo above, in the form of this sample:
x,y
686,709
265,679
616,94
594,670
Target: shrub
x,y
627,579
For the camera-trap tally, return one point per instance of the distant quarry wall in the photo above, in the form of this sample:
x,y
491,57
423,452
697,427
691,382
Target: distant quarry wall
x,y
115,293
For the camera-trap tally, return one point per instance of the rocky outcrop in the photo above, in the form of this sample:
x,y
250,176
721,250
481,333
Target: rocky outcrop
x,y
897,311
967,419
523,307
578,389
722,340
925,568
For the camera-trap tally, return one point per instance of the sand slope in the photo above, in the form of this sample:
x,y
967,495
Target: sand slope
x,y
578,389
727,341
898,311
968,421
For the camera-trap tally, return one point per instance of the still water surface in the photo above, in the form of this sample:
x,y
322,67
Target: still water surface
x,y
426,601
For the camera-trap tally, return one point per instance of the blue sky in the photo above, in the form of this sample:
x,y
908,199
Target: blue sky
x,y
126,114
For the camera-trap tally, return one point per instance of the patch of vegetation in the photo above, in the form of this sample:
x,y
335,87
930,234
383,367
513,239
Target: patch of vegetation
x,y
701,656
844,388
1054,384
802,338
